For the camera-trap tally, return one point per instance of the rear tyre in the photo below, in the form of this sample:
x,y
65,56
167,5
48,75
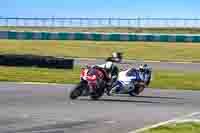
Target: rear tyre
x,y
138,90
132,90
132,93
97,95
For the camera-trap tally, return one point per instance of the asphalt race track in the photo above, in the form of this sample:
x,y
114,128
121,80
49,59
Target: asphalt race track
x,y
35,108
181,66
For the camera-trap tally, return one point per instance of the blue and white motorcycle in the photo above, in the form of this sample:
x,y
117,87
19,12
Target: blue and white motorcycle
x,y
131,81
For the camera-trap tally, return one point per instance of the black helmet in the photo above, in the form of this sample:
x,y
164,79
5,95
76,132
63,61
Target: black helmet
x,y
145,66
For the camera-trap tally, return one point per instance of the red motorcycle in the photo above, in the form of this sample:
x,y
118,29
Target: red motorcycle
x,y
97,79
93,83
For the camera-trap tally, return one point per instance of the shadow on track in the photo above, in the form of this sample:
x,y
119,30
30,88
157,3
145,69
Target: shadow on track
x,y
153,97
131,101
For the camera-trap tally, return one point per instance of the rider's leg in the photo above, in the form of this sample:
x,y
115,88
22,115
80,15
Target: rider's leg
x,y
117,88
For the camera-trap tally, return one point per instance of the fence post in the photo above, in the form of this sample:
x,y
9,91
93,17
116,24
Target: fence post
x,y
25,21
119,22
52,21
109,21
6,21
43,23
99,22
81,23
1,21
129,22
35,22
138,22
70,21
16,22
62,22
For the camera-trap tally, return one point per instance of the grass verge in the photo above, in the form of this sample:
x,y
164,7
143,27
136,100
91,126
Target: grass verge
x,y
176,80
161,79
189,127
25,74
92,49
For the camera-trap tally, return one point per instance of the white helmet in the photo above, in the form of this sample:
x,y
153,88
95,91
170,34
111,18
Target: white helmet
x,y
108,65
141,68
117,56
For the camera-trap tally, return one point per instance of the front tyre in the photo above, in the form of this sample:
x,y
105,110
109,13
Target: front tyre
x,y
76,92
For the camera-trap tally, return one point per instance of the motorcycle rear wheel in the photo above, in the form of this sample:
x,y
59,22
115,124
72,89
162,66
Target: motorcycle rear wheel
x,y
97,95
136,91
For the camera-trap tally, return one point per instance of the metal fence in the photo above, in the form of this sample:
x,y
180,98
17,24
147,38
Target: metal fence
x,y
101,22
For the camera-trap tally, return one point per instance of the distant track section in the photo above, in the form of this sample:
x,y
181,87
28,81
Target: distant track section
x,y
36,61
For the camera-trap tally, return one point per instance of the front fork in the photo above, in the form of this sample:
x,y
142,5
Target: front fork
x,y
131,86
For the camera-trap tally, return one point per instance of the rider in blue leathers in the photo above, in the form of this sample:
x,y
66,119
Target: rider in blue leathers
x,y
143,73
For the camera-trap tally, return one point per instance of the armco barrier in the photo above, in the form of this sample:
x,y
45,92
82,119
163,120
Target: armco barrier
x,y
36,61
99,36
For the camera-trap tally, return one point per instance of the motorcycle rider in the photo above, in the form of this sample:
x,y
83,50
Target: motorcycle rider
x,y
112,69
145,73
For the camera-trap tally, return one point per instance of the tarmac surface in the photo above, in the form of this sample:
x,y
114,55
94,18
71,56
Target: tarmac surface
x,y
47,108
156,65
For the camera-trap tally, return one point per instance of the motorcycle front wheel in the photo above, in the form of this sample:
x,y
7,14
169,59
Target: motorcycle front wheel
x,y
76,92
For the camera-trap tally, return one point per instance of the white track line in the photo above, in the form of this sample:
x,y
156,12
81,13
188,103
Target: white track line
x,y
152,61
37,83
164,123
187,120
181,62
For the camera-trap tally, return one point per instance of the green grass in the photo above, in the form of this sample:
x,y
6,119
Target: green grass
x,y
106,29
161,79
177,128
92,49
44,75
176,80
